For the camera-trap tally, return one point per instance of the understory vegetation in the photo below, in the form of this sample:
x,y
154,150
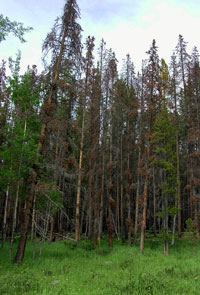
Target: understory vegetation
x,y
68,268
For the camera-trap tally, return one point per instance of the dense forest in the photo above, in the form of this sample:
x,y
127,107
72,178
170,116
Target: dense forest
x,y
87,151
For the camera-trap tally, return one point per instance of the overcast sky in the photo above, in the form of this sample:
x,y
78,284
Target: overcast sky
x,y
127,26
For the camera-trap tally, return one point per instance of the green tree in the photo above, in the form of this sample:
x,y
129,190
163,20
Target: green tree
x,y
16,28
164,159
18,151
65,45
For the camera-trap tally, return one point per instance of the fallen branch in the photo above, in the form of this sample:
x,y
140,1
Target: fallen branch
x,y
64,237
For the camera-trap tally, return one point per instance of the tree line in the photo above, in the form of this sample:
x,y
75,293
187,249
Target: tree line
x,y
87,151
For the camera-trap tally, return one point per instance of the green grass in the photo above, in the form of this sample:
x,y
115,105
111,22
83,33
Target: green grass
x,y
65,269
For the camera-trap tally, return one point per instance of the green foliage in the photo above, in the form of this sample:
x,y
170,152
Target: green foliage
x,y
173,210
22,283
190,227
123,271
164,234
159,214
16,28
19,151
164,149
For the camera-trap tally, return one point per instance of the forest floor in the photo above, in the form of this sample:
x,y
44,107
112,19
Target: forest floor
x,y
69,270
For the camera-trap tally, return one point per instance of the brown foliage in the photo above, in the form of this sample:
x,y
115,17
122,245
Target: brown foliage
x,y
141,201
132,113
74,127
128,174
127,197
127,188
110,187
133,185
72,161
48,108
109,166
42,188
187,187
109,225
129,225
112,202
65,146
47,119
64,163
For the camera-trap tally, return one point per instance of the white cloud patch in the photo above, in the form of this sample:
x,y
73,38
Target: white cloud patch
x,y
127,26
159,20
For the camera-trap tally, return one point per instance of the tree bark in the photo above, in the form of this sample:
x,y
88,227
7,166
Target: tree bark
x,y
145,196
34,174
77,230
5,219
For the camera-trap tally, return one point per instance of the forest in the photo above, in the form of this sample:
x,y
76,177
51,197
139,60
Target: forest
x,y
91,152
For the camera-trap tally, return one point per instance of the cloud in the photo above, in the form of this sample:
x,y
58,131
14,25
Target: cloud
x,y
109,11
159,20
127,26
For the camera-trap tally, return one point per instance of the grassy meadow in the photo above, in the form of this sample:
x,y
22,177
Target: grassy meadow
x,y
66,269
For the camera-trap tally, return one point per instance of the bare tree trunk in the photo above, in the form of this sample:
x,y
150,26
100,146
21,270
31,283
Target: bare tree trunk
x,y
33,219
121,193
129,219
17,194
137,201
117,209
77,229
51,229
5,219
173,230
102,194
110,188
145,196
154,203
178,188
14,220
95,219
83,212
144,215
90,212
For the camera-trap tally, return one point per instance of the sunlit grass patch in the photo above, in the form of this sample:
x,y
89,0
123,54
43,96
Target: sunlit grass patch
x,y
65,268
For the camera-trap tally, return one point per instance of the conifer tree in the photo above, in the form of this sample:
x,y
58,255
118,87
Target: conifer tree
x,y
88,64
63,43
152,100
164,149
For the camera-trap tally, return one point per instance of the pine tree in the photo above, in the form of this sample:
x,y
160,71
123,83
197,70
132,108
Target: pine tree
x,y
164,143
68,42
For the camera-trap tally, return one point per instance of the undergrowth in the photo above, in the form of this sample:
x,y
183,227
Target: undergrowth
x,y
67,268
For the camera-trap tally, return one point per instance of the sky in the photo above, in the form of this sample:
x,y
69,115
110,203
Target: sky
x,y
127,26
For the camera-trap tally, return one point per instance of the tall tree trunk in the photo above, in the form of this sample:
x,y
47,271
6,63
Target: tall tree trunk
x,y
90,213
137,200
166,241
33,220
14,222
178,188
102,194
121,193
51,229
154,202
145,196
77,230
110,188
34,174
5,219
17,194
